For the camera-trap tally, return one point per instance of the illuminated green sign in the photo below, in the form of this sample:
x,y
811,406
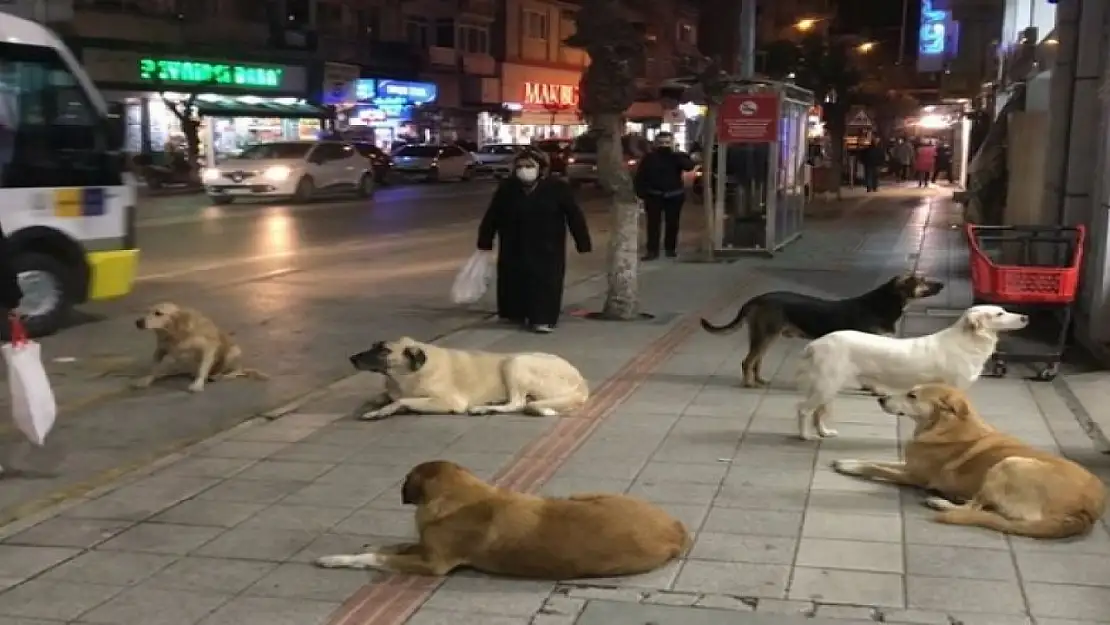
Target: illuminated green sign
x,y
180,71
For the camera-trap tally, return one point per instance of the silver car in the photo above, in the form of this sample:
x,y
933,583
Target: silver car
x,y
433,162
496,159
582,163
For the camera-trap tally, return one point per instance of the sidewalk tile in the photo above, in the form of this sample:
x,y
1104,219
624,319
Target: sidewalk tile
x,y
116,568
426,616
21,562
960,562
66,532
734,578
58,601
211,513
967,595
199,574
485,595
272,545
303,581
738,548
1085,570
754,522
153,606
284,516
375,522
162,538
849,526
850,554
848,587
271,611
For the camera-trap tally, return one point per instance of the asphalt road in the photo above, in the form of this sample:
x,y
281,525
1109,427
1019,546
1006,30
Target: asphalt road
x,y
300,288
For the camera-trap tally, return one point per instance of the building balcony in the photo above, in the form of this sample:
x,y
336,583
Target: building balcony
x,y
226,31
441,58
479,65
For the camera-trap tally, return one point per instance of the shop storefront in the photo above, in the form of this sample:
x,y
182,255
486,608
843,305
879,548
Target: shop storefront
x,y
541,103
238,102
386,111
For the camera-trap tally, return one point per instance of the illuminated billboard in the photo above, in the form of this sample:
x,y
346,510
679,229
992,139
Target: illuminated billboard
x,y
937,38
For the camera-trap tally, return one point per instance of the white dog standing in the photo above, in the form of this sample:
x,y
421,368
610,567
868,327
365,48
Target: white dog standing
x,y
953,356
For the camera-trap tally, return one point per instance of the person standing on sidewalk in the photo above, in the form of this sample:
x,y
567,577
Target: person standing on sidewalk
x,y
903,156
944,162
659,184
874,156
529,216
925,162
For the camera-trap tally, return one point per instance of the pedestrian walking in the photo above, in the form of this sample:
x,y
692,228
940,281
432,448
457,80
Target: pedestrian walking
x,y
944,162
659,184
529,216
903,156
873,158
925,161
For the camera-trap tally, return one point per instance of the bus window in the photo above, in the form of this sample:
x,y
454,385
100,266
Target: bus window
x,y
58,139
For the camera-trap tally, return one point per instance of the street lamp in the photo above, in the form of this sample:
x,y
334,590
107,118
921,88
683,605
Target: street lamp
x,y
805,25
866,47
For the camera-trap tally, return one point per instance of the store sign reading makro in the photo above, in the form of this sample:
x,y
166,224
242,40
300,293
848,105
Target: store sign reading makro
x,y
182,72
550,95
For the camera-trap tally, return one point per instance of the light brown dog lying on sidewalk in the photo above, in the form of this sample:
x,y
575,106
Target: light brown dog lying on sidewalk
x,y
1006,485
187,341
463,521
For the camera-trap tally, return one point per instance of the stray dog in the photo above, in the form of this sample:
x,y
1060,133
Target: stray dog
x,y
954,356
783,313
463,521
1006,485
189,341
426,379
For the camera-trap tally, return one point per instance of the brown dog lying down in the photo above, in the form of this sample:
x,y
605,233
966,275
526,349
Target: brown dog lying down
x,y
187,341
463,521
1006,485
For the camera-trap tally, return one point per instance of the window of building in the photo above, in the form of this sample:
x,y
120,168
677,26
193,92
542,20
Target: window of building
x,y
535,25
687,34
250,10
329,15
474,39
417,31
369,22
50,134
445,33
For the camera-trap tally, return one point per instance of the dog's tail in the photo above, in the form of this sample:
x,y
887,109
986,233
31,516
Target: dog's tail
x,y
253,374
731,326
1049,527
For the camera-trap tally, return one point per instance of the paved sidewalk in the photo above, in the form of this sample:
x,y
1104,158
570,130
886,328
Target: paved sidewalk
x,y
223,533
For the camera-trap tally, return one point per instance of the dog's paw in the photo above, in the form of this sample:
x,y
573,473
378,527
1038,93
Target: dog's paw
x,y
756,383
196,387
478,411
545,412
142,383
372,415
360,561
848,467
806,435
939,503
825,432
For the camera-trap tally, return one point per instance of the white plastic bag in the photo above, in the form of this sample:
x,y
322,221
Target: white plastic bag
x,y
473,279
33,406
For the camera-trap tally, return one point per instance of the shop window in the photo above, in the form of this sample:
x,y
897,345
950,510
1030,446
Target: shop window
x,y
445,33
50,134
535,25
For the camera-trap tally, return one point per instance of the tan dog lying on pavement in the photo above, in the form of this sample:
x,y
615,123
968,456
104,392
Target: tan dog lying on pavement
x,y
189,341
463,521
1006,485
427,379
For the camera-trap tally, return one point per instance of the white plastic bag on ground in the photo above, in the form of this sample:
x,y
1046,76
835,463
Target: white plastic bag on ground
x,y
33,406
473,279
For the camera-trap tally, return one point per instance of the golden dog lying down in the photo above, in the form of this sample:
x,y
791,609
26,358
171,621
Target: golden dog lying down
x,y
463,521
1006,485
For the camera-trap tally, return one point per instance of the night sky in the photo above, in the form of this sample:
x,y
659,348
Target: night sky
x,y
879,20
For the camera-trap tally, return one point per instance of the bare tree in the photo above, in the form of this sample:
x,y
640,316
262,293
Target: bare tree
x,y
186,113
608,88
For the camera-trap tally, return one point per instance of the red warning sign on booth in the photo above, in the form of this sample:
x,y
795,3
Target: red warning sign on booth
x,y
750,118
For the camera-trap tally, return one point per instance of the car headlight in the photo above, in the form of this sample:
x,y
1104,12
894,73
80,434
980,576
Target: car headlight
x,y
278,173
209,174
570,159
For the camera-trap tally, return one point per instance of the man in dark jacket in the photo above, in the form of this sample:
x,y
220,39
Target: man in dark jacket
x,y
659,184
944,162
873,157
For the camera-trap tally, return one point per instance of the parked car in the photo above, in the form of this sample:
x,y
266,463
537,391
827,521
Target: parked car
x,y
433,162
300,170
558,153
582,163
381,162
496,159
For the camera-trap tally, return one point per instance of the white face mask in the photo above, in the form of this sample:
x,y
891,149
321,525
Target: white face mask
x,y
527,175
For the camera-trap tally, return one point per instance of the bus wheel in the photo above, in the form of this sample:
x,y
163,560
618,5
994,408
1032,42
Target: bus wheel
x,y
47,297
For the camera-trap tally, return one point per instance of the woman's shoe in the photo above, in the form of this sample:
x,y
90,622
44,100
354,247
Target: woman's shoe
x,y
543,329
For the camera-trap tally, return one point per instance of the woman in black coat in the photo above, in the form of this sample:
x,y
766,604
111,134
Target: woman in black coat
x,y
529,215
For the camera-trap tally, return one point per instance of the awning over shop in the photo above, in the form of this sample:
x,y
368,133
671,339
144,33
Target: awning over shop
x,y
644,112
261,109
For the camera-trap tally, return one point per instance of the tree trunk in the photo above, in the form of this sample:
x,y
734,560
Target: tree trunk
x,y
622,300
838,128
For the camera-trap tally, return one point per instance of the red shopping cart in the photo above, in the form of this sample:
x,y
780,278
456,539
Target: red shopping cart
x,y
1035,268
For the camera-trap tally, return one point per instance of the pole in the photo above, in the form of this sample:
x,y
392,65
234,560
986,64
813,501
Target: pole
x,y
746,39
902,32
708,186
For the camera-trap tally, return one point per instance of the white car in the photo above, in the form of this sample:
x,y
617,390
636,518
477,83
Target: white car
x,y
433,162
497,158
300,170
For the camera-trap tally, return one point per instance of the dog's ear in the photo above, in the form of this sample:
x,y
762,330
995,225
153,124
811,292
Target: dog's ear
x,y
973,322
412,492
415,357
955,404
